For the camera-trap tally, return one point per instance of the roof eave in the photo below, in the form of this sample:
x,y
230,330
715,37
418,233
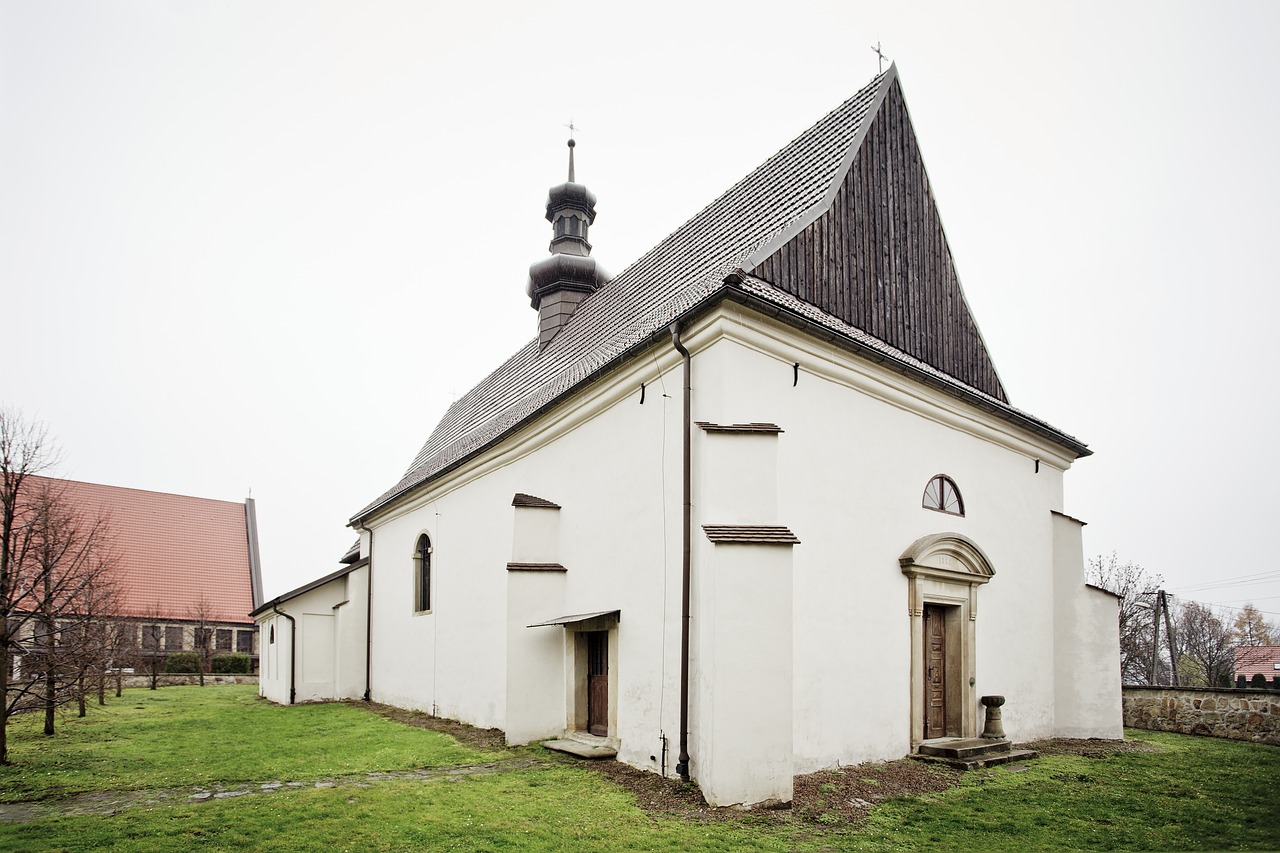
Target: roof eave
x,y
732,292
305,588
956,389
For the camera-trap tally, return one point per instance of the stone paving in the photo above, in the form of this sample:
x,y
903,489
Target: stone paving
x,y
113,802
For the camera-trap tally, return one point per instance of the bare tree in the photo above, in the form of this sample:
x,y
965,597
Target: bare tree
x,y
149,655
60,575
1206,657
1136,589
203,614
25,451
121,637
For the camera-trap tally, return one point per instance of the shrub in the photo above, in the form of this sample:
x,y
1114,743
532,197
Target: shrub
x,y
1259,680
182,662
239,663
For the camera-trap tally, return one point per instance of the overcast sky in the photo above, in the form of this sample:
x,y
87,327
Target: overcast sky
x,y
263,245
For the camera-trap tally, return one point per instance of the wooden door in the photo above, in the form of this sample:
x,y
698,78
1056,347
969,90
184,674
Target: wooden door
x,y
935,672
598,683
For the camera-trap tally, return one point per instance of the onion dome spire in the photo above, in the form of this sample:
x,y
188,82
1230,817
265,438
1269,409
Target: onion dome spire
x,y
559,283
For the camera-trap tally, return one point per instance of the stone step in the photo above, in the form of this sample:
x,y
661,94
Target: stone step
x,y
964,748
579,748
991,760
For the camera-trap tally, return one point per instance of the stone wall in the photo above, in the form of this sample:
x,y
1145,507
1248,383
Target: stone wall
x,y
167,680
1252,715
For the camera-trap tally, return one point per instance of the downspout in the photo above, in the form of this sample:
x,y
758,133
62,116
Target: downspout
x,y
368,625
293,649
682,761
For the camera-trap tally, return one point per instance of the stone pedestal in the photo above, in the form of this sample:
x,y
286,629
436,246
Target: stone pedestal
x,y
993,727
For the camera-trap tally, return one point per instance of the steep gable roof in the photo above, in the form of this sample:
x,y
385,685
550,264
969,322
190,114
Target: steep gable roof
x,y
754,226
171,549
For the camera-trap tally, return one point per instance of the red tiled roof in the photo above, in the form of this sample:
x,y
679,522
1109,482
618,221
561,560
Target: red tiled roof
x,y
1251,660
172,548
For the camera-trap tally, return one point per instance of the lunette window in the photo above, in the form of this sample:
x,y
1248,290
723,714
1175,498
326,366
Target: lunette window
x,y
942,495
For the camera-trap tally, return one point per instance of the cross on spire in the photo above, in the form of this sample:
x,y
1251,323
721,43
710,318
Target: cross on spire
x,y
879,54
572,128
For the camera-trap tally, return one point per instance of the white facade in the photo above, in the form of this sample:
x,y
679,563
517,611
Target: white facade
x,y
313,641
802,656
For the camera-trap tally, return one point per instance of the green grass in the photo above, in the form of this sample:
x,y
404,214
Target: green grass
x,y
1191,793
201,735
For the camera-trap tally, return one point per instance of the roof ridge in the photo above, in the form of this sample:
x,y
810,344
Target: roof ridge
x,y
142,491
673,278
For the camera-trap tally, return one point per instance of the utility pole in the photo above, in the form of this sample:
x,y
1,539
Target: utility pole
x,y
1155,637
1168,629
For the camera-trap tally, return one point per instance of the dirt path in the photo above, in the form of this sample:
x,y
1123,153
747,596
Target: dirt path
x,y
113,802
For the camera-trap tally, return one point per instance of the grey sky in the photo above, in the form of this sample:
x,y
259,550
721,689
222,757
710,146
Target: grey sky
x,y
264,244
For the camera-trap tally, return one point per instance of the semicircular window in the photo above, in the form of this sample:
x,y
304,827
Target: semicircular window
x,y
941,495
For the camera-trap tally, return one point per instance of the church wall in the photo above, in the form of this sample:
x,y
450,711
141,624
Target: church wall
x,y
853,464
352,616
273,667
617,535
847,476
1087,654
329,662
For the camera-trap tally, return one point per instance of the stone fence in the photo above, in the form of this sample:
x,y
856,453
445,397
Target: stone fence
x,y
169,680
1252,715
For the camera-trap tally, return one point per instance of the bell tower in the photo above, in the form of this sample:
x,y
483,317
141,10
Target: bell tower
x,y
560,282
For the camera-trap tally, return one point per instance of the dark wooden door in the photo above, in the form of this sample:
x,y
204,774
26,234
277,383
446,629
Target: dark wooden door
x,y
935,673
598,683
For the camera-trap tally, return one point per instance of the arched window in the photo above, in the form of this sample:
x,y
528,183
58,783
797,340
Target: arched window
x,y
271,634
941,495
422,574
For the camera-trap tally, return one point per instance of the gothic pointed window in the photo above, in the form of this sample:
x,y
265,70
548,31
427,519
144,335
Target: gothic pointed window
x,y
941,495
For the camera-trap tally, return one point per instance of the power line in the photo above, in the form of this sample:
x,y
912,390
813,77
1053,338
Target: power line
x,y
1259,577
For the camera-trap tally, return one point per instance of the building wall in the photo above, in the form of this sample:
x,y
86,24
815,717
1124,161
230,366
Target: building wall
x,y
847,475
330,635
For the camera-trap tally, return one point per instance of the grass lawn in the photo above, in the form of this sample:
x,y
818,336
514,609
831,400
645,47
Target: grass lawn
x,y
202,735
1185,793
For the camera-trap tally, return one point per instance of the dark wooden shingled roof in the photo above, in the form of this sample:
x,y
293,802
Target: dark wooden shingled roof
x,y
753,228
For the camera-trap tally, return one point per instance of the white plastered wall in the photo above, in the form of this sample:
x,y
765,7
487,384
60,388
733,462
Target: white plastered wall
x,y
859,445
613,465
1087,651
329,622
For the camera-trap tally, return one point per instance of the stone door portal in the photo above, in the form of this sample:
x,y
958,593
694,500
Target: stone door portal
x,y
935,672
598,683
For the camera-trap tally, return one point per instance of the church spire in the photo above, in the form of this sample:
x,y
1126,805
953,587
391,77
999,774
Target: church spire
x,y
559,283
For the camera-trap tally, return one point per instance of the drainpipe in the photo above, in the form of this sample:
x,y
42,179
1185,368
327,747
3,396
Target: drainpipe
x,y
682,762
368,625
293,649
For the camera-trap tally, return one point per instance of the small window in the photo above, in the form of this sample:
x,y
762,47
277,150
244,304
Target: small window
x,y
244,642
222,641
150,637
941,495
422,573
271,635
173,638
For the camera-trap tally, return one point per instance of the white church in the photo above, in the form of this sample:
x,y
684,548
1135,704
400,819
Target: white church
x,y
757,506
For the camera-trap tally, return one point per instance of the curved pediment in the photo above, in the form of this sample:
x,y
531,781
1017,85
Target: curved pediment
x,y
948,555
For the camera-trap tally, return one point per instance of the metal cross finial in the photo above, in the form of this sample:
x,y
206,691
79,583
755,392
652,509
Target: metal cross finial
x,y
879,54
572,128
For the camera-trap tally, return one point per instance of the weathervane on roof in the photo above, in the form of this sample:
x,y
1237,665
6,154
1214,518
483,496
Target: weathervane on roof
x,y
879,54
